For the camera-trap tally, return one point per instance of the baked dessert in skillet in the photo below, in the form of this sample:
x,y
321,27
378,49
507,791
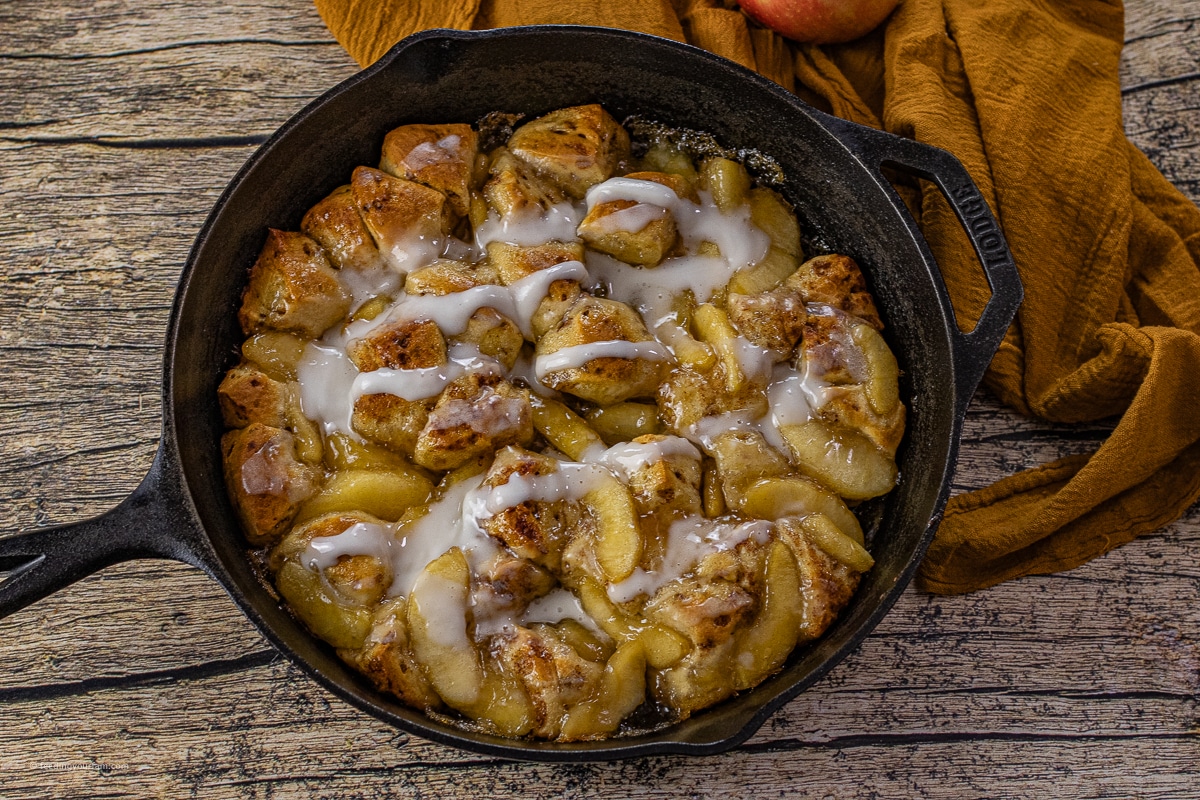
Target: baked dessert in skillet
x,y
553,433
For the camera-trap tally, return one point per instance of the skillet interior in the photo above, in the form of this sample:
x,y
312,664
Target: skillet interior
x,y
459,77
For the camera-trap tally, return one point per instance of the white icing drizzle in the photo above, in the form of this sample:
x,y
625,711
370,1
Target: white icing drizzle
x,y
626,458
705,430
488,414
364,284
445,613
451,312
530,227
426,382
571,481
629,220
528,292
326,376
689,540
559,604
360,539
580,354
792,398
795,397
741,243
407,253
524,372
755,362
556,606
652,291
406,549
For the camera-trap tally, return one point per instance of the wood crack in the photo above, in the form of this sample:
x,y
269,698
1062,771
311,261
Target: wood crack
x,y
164,48
888,740
170,143
208,669
94,451
1161,82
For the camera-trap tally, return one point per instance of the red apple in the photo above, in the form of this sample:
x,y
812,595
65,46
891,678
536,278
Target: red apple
x,y
820,21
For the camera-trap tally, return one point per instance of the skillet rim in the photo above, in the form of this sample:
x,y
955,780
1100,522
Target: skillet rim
x,y
658,742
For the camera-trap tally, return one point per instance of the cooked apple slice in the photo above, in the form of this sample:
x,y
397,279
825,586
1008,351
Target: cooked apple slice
x,y
795,496
765,645
622,689
619,543
386,494
828,536
663,647
437,627
340,625
883,373
842,459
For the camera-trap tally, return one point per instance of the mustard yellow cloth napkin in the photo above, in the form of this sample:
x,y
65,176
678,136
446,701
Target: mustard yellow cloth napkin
x,y
1026,95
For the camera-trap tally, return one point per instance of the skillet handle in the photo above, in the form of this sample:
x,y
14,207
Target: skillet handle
x,y
973,351
147,524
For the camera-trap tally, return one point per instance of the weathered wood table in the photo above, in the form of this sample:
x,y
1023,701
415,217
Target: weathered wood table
x,y
120,123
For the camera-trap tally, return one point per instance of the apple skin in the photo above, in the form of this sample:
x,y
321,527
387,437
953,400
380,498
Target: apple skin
x,y
819,21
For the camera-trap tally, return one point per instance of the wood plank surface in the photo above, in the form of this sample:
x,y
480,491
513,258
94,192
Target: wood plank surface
x,y
120,124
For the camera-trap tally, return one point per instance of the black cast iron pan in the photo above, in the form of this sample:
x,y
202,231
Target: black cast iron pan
x,y
833,177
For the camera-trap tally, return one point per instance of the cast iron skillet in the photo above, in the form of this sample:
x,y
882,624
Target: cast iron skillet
x,y
833,174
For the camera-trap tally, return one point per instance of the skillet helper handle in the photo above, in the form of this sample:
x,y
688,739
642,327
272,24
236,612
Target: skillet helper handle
x,y
973,351
41,562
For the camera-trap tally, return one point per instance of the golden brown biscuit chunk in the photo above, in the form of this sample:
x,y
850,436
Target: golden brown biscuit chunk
x,y
385,418
837,281
266,481
553,674
386,658
772,320
575,148
664,490
408,220
447,277
390,420
688,395
514,262
560,297
670,484
603,380
494,335
636,233
709,607
828,583
515,190
247,394
505,581
705,611
534,529
848,406
473,415
336,225
399,345
439,156
828,347
292,288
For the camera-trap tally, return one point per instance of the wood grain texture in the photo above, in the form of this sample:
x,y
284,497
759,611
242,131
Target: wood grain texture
x,y
120,123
